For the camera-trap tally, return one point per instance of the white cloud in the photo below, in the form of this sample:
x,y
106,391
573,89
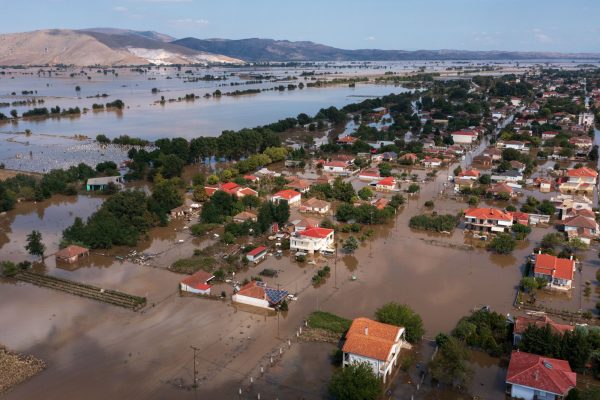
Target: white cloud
x,y
370,38
541,36
120,9
189,22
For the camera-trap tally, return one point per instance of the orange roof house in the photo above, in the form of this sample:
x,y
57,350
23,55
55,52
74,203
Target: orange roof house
x,y
71,253
557,271
375,342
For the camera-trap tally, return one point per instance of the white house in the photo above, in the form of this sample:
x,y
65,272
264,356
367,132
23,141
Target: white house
x,y
257,255
257,294
336,167
369,174
197,283
312,240
508,176
386,184
533,377
464,137
579,180
557,271
289,195
372,342
488,219
314,205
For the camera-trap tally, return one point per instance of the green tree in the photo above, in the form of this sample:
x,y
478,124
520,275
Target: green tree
x,y
350,244
355,382
503,243
413,188
365,193
34,245
450,365
402,315
281,212
199,194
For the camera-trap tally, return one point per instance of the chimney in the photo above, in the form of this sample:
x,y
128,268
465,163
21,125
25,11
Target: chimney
x,y
367,330
571,257
536,375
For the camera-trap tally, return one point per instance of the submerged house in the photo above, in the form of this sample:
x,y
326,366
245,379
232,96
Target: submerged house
x,y
525,321
257,255
313,240
557,271
198,283
374,343
103,183
259,295
579,180
533,377
71,254
488,220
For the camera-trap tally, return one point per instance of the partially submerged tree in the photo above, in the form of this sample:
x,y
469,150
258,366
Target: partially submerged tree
x,y
34,245
355,382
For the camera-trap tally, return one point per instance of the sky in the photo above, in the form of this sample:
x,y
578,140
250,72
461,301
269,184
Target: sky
x,y
518,25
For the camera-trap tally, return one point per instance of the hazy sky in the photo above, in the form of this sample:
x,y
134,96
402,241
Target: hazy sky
x,y
547,25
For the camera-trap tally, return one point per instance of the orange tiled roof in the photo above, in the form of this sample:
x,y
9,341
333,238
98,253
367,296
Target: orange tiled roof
x,y
488,213
71,251
561,268
583,172
370,339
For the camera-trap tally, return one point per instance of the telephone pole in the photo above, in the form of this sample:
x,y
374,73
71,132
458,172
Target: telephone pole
x,y
195,385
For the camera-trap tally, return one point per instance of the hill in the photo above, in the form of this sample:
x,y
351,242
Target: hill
x,y
257,50
98,47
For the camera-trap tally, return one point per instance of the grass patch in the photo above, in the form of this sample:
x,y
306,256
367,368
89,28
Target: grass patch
x,y
193,264
329,322
201,229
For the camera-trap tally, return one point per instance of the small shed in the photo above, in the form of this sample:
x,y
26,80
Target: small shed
x,y
71,254
257,255
198,283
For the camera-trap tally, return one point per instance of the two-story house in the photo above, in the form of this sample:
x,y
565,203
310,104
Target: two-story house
x,y
557,271
488,220
374,343
313,240
579,180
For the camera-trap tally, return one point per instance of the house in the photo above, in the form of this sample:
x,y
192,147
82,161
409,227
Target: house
x,y
557,271
531,377
525,321
304,224
313,240
488,219
386,184
586,119
502,189
515,144
483,161
581,227
517,165
508,176
389,156
347,158
409,157
257,255
71,254
431,162
494,153
520,217
314,205
545,185
375,343
244,216
579,180
103,183
336,167
299,185
471,174
464,137
567,204
257,294
346,140
252,178
380,203
291,196
232,189
369,174
197,283
181,211
549,135
583,144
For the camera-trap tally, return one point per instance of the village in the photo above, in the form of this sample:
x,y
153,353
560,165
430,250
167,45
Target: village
x,y
503,166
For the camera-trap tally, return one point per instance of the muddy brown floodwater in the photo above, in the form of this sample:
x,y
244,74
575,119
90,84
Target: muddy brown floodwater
x,y
99,351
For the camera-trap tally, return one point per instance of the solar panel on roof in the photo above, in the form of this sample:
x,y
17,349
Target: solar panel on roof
x,y
275,296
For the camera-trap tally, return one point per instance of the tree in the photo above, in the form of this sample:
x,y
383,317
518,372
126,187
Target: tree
x,y
365,193
102,139
350,244
503,244
413,188
200,194
281,212
485,179
450,365
457,170
355,382
402,315
34,245
551,240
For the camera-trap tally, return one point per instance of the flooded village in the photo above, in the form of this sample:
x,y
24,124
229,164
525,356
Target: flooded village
x,y
423,231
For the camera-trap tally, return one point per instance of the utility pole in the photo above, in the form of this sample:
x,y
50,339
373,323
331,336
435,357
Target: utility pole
x,y
278,316
195,385
335,266
371,239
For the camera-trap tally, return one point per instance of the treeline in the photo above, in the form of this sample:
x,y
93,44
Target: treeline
x,y
125,216
57,181
368,213
54,111
434,222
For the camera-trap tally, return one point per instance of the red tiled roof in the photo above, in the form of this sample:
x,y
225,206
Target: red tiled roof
x,y
389,181
542,373
251,178
583,172
71,251
370,339
370,172
523,322
257,251
579,221
501,188
488,213
464,133
247,192
210,190
561,268
252,289
319,233
287,194
470,172
229,187
198,280
340,164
